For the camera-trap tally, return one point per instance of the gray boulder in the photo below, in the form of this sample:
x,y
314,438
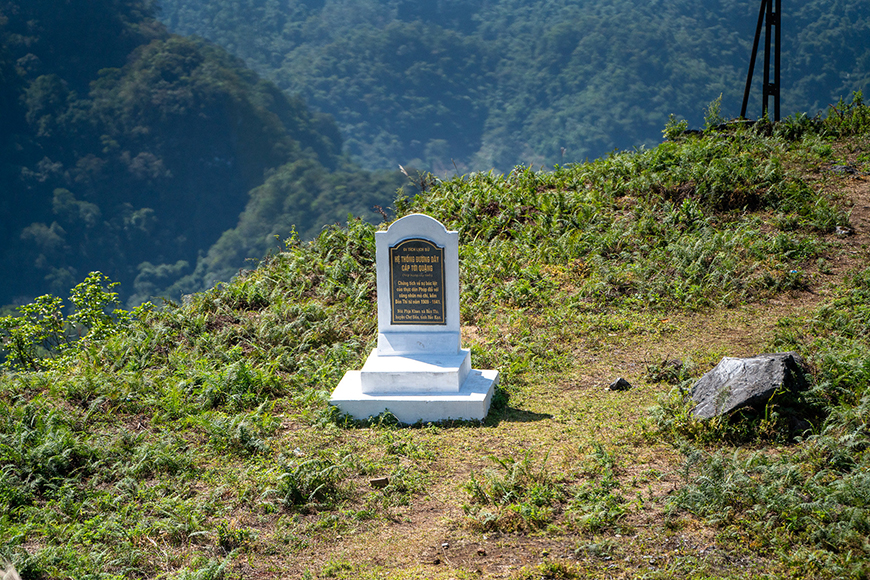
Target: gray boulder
x,y
736,383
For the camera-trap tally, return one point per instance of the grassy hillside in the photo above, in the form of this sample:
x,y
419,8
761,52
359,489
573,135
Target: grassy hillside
x,y
195,441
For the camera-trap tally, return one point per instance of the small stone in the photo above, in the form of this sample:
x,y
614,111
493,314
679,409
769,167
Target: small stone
x,y
843,232
619,384
707,549
844,169
380,482
445,545
481,552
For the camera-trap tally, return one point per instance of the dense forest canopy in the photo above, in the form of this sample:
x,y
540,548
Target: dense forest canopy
x,y
505,82
129,150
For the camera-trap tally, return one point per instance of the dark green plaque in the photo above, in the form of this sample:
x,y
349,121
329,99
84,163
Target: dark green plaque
x,y
417,283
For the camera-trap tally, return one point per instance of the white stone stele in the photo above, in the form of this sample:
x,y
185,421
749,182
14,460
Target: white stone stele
x,y
418,372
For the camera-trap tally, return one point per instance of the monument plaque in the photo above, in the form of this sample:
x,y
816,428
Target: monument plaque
x,y
417,283
419,371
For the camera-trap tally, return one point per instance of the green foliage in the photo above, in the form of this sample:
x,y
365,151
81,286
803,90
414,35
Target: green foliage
x,y
670,371
657,228
40,450
597,503
334,567
209,569
317,481
497,84
850,118
524,497
40,333
674,128
550,569
38,329
244,433
795,500
230,537
168,455
92,300
138,150
398,443
713,115
807,504
519,496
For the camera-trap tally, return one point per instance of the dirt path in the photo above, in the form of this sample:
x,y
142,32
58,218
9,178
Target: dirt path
x,y
857,191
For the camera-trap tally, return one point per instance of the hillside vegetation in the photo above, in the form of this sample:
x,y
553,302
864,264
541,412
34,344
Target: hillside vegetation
x,y
516,82
195,441
129,150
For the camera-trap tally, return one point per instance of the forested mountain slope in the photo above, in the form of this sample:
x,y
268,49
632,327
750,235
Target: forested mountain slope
x,y
506,82
129,150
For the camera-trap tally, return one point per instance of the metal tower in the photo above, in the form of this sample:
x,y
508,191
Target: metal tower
x,y
770,16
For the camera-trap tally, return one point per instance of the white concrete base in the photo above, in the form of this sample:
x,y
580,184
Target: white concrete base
x,y
410,343
421,373
471,402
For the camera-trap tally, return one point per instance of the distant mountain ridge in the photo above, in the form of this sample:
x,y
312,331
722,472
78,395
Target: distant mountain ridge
x,y
543,82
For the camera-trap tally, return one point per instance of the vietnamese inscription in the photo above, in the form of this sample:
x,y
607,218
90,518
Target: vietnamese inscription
x,y
417,283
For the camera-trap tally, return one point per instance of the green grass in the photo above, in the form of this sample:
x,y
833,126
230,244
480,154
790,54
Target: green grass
x,y
518,496
808,503
195,440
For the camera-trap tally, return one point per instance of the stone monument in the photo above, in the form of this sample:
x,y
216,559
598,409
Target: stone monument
x,y
419,371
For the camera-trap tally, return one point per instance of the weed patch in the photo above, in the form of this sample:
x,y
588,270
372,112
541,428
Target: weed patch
x,y
597,503
518,496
